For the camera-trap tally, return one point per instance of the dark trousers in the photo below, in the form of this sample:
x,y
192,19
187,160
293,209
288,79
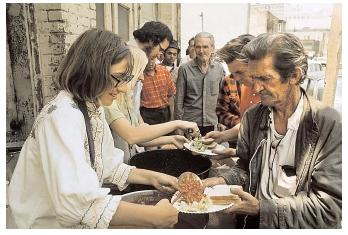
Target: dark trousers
x,y
205,129
154,116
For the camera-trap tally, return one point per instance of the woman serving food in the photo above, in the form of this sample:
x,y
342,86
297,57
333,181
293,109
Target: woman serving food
x,y
70,153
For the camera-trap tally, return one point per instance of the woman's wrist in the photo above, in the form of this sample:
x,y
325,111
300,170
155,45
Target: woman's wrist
x,y
177,124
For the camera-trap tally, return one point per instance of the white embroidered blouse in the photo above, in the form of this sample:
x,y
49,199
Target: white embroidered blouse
x,y
54,184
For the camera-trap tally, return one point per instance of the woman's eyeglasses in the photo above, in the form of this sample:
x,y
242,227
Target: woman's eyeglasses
x,y
121,78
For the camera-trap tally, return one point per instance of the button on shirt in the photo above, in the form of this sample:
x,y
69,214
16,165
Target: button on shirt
x,y
197,93
279,151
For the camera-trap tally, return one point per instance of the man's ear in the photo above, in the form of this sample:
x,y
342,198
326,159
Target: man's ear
x,y
296,77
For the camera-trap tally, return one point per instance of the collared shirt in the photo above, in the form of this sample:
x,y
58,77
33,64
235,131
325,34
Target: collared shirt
x,y
157,89
197,93
173,71
279,152
54,184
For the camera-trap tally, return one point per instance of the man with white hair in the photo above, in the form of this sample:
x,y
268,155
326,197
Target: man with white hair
x,y
198,86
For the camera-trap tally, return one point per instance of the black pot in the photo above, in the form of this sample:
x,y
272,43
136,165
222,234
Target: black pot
x,y
172,162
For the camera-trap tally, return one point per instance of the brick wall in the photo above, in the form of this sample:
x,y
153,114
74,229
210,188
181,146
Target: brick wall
x,y
58,25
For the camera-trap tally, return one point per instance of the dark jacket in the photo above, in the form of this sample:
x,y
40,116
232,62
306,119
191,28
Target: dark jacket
x,y
318,161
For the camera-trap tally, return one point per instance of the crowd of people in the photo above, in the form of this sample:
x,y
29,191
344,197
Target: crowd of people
x,y
118,97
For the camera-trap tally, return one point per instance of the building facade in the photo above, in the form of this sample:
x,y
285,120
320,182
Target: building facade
x,y
38,37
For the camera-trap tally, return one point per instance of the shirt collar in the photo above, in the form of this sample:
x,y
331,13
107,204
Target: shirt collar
x,y
294,119
195,64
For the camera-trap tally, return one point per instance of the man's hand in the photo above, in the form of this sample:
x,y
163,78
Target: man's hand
x,y
223,154
216,135
213,181
248,205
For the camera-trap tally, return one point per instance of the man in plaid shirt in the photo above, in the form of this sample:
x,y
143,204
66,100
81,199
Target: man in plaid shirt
x,y
157,93
236,94
227,108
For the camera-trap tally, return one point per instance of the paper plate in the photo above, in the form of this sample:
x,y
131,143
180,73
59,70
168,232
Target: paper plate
x,y
209,152
217,190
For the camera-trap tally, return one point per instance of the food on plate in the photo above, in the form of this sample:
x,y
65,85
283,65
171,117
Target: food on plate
x,y
201,144
198,144
190,187
196,206
225,200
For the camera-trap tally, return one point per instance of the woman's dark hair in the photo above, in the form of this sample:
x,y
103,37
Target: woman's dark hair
x,y
232,49
153,32
286,50
85,70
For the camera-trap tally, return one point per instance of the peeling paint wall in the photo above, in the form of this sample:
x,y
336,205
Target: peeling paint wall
x,y
58,25
11,110
19,68
38,37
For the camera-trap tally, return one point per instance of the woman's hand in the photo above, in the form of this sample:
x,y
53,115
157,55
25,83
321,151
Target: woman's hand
x,y
178,141
166,216
185,125
216,135
164,183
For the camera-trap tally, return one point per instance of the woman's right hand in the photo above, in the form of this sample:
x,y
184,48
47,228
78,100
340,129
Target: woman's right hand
x,y
166,214
184,125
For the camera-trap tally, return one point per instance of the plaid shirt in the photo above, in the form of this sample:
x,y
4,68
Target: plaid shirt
x,y
227,108
157,89
234,101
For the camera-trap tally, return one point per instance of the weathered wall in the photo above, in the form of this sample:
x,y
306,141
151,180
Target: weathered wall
x,y
38,37
18,67
58,25
11,110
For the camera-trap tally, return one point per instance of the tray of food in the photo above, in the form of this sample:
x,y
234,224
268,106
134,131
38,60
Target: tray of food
x,y
203,146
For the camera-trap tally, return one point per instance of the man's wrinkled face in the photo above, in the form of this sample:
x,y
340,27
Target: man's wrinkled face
x,y
239,72
171,55
203,49
267,82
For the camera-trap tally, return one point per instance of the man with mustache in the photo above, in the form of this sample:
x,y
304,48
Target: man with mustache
x,y
197,86
289,145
